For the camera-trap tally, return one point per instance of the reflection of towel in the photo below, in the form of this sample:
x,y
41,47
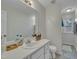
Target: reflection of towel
x,y
67,23
62,24
75,28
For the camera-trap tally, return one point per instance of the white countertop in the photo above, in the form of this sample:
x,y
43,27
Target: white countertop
x,y
20,52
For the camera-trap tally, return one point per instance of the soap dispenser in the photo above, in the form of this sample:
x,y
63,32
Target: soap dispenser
x,y
17,37
20,40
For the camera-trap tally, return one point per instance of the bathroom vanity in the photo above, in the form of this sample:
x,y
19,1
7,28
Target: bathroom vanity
x,y
38,52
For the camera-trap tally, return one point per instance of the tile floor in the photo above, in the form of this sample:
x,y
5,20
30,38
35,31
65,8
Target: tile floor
x,y
69,52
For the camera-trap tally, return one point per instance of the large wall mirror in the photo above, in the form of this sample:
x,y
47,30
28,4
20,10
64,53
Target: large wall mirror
x,y
17,19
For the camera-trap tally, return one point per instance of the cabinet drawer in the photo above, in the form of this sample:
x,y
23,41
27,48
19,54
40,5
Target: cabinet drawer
x,y
41,57
38,53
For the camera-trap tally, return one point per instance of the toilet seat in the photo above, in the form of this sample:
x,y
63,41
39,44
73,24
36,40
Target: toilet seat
x,y
53,50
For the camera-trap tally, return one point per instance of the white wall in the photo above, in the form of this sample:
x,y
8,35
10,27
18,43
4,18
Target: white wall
x,y
53,26
42,19
69,38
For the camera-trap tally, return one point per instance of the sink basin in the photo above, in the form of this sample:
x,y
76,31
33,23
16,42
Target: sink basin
x,y
30,45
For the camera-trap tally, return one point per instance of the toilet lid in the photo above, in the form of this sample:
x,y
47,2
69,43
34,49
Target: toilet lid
x,y
52,48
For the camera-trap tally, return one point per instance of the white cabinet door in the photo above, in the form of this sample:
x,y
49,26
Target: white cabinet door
x,y
3,29
41,56
27,57
38,54
47,53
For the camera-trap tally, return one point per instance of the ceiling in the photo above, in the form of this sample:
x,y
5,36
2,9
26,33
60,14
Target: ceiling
x,y
62,4
18,5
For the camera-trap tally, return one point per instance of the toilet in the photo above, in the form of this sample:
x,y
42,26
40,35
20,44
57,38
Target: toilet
x,y
53,50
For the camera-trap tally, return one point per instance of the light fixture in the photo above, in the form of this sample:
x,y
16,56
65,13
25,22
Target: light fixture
x,y
53,1
76,20
68,10
28,2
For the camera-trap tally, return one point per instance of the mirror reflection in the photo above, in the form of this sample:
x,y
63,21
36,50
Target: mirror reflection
x,y
17,21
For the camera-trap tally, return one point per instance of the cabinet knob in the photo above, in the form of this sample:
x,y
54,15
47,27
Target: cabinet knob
x,y
3,36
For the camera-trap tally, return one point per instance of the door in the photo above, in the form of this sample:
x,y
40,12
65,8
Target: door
x,y
3,29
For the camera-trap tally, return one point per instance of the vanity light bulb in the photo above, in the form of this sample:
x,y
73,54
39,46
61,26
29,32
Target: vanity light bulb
x,y
68,10
26,1
31,2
